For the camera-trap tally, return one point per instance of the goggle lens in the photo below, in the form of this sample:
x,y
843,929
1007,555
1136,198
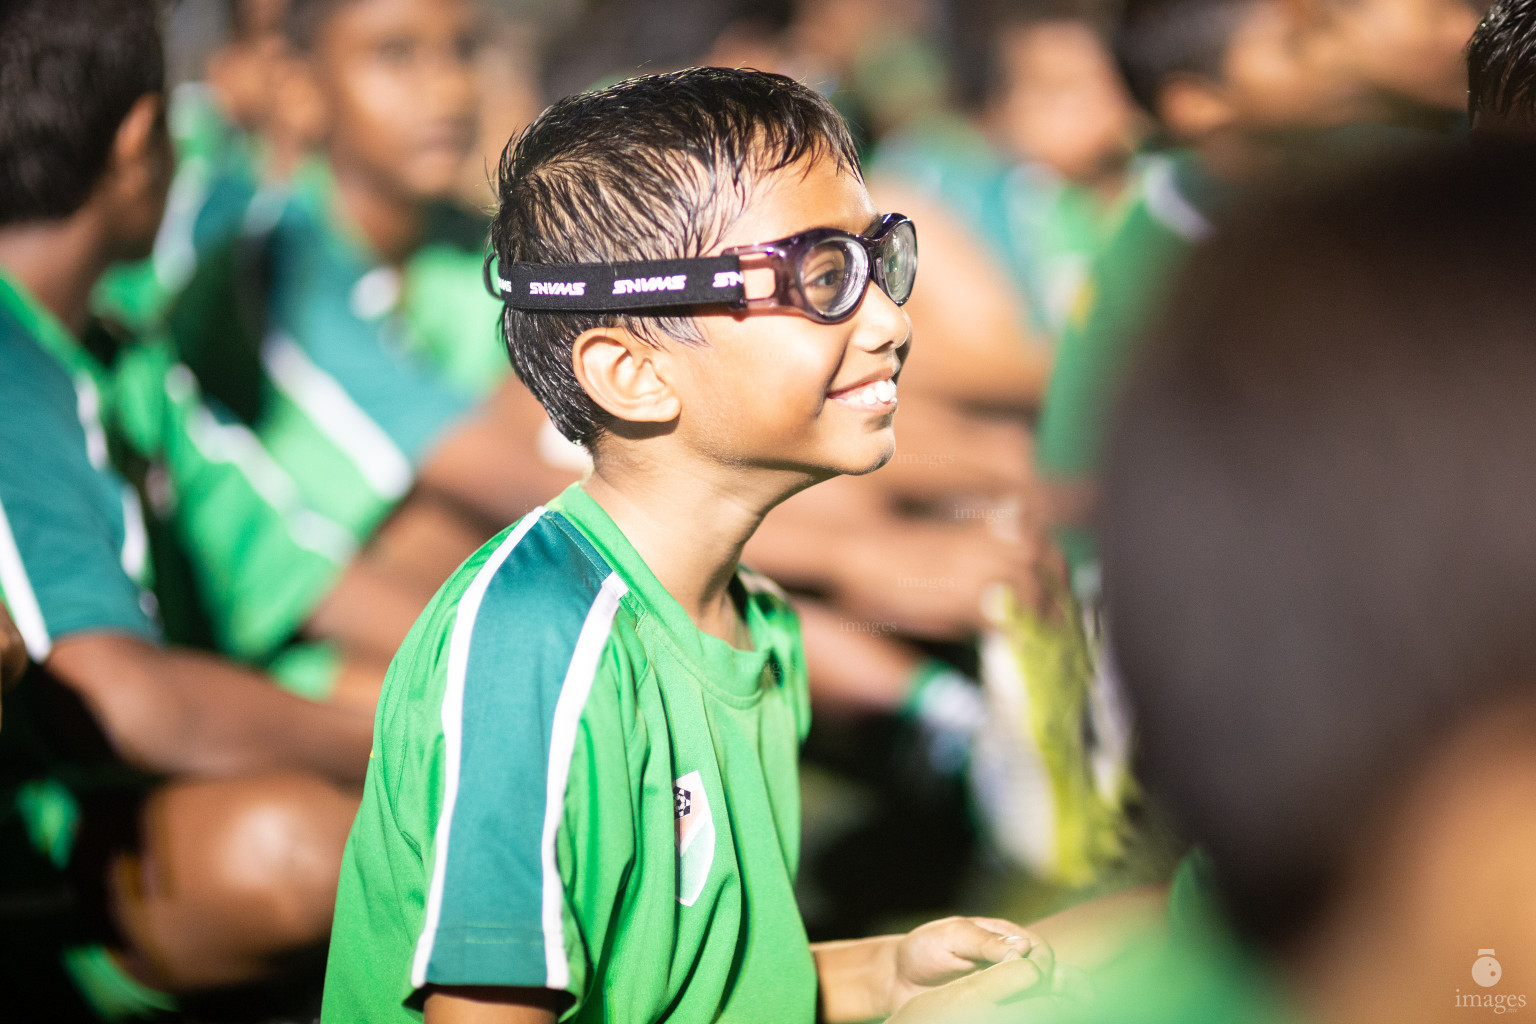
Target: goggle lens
x,y
832,276
897,262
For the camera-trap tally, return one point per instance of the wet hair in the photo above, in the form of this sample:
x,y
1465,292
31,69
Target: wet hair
x,y
1501,62
1158,38
656,167
70,70
1318,551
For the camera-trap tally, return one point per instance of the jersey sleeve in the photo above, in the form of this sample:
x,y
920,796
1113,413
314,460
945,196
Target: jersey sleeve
x,y
263,558
534,830
68,528
357,361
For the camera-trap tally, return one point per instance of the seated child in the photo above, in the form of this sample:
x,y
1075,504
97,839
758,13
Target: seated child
x,y
350,329
583,799
89,833
1229,83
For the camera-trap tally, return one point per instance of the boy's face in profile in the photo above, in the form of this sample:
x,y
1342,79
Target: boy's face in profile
x,y
397,81
1062,102
774,389
1413,49
1274,78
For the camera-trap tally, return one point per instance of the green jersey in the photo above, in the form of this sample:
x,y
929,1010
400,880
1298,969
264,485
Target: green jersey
x,y
259,559
1163,218
573,787
349,370
73,547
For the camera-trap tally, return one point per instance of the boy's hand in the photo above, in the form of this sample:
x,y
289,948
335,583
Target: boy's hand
x,y
942,951
867,979
990,996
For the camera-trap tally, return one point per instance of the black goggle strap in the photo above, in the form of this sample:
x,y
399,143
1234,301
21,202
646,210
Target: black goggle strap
x,y
617,287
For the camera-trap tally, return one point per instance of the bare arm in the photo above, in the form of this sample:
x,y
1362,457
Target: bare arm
x,y
494,1005
13,653
175,711
491,464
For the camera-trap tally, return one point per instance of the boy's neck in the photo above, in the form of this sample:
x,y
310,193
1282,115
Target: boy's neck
x,y
690,528
390,220
58,263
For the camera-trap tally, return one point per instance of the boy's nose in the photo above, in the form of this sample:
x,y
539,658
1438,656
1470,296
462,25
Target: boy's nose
x,y
880,322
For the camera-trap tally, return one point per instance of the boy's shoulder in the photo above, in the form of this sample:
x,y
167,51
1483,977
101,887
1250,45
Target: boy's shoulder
x,y
528,598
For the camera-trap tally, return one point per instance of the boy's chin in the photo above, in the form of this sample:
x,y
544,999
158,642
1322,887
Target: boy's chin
x,y
860,464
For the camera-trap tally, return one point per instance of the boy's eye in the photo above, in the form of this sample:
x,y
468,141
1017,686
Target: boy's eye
x,y
396,51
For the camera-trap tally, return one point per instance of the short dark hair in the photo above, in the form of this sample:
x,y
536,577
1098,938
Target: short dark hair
x,y
306,19
1501,62
70,70
1155,39
656,167
977,29
1319,556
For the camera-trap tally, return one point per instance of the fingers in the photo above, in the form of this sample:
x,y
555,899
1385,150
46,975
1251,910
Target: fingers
x,y
989,940
1005,980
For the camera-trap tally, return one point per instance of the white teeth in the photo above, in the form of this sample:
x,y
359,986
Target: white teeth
x,y
873,395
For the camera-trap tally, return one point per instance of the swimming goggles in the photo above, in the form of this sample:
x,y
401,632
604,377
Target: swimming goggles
x,y
822,273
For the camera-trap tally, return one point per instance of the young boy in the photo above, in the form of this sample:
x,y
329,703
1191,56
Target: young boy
x,y
583,797
356,355
1229,82
89,835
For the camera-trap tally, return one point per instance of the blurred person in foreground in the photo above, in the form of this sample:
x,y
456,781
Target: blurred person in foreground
x,y
1501,71
1322,576
169,822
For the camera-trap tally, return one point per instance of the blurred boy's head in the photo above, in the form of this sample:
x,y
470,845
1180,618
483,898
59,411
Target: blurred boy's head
x,y
1208,68
679,166
1501,69
390,87
241,70
1321,571
1053,94
1407,52
82,117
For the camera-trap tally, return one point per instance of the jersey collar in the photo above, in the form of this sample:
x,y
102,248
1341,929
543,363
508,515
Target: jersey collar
x,y
735,673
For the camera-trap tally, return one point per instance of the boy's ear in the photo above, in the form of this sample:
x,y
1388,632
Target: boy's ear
x,y
138,176
626,376
1192,107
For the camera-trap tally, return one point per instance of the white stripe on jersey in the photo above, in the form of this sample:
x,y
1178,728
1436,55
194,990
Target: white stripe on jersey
x,y
562,747
19,595
377,457
453,733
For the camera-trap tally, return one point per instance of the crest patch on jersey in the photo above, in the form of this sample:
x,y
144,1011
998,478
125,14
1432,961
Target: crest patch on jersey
x,y
695,837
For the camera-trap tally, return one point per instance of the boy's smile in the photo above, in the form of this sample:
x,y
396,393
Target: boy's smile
x,y
774,388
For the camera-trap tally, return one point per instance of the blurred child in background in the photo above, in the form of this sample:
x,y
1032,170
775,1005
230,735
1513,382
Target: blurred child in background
x,y
128,887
